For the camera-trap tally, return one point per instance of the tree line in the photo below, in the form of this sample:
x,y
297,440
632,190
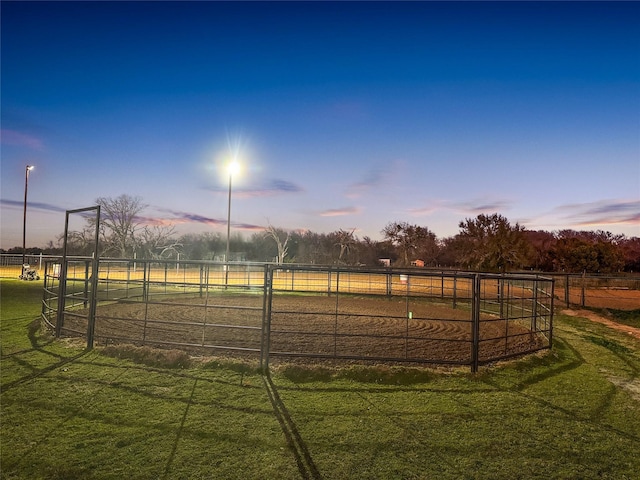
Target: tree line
x,y
488,242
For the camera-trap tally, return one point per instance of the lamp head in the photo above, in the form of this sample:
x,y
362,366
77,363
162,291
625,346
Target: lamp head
x,y
233,168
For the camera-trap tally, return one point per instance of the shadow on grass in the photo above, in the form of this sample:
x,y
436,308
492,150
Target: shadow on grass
x,y
38,346
566,358
113,381
167,469
32,330
379,375
306,465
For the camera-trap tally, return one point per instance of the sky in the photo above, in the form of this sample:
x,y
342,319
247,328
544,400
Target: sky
x,y
341,115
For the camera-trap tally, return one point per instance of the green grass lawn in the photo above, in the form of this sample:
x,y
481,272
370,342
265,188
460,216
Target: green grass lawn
x,y
67,413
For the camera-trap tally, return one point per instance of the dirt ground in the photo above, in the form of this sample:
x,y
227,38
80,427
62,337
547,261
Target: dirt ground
x,y
311,326
618,298
594,317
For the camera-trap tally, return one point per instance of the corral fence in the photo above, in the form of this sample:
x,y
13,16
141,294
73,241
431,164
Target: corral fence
x,y
621,292
613,291
272,311
11,264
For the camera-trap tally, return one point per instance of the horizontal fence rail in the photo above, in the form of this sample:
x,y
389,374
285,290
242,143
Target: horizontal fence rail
x,y
293,311
621,291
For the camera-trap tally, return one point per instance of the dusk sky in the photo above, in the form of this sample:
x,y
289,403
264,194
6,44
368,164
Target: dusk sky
x,y
342,115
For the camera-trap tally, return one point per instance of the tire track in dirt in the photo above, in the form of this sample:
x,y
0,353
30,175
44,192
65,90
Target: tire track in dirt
x,y
594,317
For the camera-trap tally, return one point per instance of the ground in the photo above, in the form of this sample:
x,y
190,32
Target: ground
x,y
316,325
634,332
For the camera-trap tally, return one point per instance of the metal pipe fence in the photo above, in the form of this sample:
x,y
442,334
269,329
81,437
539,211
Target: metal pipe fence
x,y
619,291
276,311
598,291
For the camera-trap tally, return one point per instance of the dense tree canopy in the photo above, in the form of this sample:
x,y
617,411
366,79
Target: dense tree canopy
x,y
487,242
412,241
491,243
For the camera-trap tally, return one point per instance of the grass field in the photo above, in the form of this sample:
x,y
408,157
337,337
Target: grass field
x,y
67,413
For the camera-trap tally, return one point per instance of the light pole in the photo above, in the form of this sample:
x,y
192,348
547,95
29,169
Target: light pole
x,y
24,217
232,168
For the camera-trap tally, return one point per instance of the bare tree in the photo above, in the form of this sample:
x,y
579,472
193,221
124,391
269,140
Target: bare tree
x,y
278,234
346,241
157,242
119,222
79,242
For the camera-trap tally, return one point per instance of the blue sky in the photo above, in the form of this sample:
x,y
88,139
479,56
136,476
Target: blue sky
x,y
343,115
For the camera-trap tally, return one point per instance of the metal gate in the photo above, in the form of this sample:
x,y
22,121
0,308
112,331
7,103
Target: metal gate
x,y
268,311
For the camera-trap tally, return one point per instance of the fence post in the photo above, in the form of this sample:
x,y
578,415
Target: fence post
x,y
553,287
62,294
566,291
389,283
534,318
582,296
128,278
408,315
166,268
145,281
93,301
455,288
85,292
475,325
265,344
501,294
335,322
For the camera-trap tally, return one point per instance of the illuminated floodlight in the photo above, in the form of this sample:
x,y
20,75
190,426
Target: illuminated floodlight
x,y
233,168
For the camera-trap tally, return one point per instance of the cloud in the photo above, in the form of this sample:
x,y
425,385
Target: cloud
x,y
174,217
247,226
479,206
337,212
19,204
420,211
283,186
375,177
178,217
156,221
604,212
469,207
182,218
20,139
270,188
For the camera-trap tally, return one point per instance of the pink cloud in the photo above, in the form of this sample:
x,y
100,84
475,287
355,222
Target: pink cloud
x,y
181,218
13,137
604,212
423,210
337,212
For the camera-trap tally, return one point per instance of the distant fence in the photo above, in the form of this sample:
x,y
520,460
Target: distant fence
x,y
620,292
572,290
271,311
11,264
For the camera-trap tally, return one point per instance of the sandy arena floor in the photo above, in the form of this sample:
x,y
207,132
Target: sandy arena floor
x,y
317,326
